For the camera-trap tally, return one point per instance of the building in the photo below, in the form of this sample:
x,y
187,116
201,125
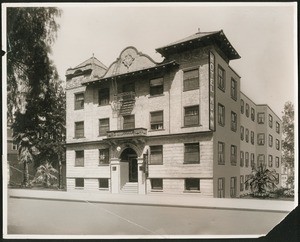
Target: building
x,y
170,127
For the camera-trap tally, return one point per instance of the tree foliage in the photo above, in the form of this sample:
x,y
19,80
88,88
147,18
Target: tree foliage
x,y
262,180
36,99
288,133
46,174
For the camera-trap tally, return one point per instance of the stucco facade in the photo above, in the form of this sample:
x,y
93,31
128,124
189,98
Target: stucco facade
x,y
146,127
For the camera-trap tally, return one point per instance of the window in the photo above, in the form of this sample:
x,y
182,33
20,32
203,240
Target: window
x,y
247,135
242,132
277,178
191,116
128,87
79,101
241,183
221,114
233,89
252,159
14,146
277,127
233,155
242,158
270,140
190,80
221,187
221,153
79,182
233,121
247,110
191,153
156,120
242,106
270,121
157,184
103,183
156,86
221,78
247,159
103,126
277,162
246,182
156,155
252,137
261,118
103,156
270,163
277,144
252,114
103,98
79,158
79,129
192,184
128,122
261,139
233,187
260,160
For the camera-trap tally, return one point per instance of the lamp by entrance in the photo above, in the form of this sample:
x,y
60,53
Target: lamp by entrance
x,y
130,156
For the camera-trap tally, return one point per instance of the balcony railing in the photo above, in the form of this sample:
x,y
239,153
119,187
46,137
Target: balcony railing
x,y
125,96
127,133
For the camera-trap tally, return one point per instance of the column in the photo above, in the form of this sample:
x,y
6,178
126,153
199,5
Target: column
x,y
141,177
115,175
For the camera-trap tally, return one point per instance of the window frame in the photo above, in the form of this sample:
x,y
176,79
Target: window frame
x,y
154,88
233,155
221,153
261,139
156,187
270,121
247,135
195,79
233,121
252,114
247,110
221,115
195,153
155,153
104,128
233,187
156,122
260,161
129,125
233,91
103,187
78,104
252,137
241,158
79,161
246,159
252,159
242,106
277,127
242,129
261,117
77,131
196,116
270,161
277,144
270,140
221,78
196,180
277,162
105,152
77,179
221,189
104,100
241,183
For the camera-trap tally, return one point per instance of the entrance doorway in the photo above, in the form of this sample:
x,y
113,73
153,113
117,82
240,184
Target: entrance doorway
x,y
130,156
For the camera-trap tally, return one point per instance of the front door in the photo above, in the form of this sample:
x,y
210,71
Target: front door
x,y
133,172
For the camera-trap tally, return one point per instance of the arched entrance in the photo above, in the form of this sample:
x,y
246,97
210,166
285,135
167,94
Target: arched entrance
x,y
129,155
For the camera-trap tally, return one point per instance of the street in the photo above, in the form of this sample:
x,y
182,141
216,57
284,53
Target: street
x,y
50,217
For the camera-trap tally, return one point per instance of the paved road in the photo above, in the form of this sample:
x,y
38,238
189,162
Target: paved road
x,y
33,216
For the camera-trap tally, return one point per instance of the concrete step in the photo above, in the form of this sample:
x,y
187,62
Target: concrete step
x,y
130,187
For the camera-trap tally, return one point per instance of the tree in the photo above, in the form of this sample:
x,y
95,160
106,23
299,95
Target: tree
x,y
46,174
262,180
33,90
288,133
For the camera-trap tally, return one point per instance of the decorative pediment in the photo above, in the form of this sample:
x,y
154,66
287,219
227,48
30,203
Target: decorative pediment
x,y
130,60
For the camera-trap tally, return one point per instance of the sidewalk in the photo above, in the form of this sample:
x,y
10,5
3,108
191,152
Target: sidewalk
x,y
192,201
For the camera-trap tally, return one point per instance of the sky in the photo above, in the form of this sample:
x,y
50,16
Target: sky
x,y
263,34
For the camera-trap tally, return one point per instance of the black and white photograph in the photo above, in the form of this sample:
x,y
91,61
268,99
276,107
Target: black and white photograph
x,y
149,120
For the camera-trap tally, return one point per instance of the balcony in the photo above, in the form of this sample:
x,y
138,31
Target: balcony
x,y
125,96
125,133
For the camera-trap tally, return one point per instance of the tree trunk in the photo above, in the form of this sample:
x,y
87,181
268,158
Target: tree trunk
x,y
60,174
26,175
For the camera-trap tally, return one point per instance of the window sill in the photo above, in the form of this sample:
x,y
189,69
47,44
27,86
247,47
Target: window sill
x,y
82,137
156,190
191,126
78,166
189,163
155,164
155,130
191,89
157,95
103,164
191,191
103,189
78,109
79,188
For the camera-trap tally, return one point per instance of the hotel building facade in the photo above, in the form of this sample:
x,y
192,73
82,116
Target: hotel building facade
x,y
176,127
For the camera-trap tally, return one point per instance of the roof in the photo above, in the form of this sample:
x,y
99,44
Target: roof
x,y
200,39
90,61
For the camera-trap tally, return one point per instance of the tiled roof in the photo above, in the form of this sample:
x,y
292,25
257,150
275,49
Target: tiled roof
x,y
200,39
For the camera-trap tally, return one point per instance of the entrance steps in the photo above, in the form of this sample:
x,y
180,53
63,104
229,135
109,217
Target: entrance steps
x,y
130,187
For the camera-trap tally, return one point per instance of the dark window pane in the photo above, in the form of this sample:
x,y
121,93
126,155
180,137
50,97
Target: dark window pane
x,y
104,96
129,122
156,155
103,126
79,182
79,129
103,183
191,153
156,120
156,184
79,101
103,156
191,115
192,184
